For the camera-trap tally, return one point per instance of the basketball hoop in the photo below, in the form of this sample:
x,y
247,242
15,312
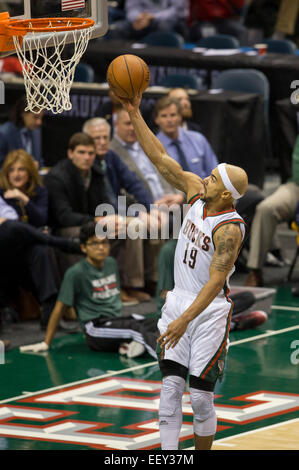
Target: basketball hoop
x,y
48,66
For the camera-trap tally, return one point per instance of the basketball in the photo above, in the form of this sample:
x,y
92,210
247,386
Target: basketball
x,y
128,75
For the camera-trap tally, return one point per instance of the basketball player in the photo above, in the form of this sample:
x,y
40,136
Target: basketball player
x,y
195,318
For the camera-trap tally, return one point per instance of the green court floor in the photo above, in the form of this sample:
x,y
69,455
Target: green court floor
x,y
73,398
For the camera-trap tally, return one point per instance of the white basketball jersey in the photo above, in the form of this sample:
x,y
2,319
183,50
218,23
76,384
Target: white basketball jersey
x,y
195,247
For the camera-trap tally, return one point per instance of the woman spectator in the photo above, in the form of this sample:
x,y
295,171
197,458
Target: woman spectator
x,y
26,259
21,188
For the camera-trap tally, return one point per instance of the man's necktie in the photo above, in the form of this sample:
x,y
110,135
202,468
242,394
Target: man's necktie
x,y
27,141
182,157
109,190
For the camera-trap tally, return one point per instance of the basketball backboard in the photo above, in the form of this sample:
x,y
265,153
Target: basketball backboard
x,y
96,10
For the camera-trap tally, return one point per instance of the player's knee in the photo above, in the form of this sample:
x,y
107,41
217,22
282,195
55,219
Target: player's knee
x,y
202,404
205,420
171,395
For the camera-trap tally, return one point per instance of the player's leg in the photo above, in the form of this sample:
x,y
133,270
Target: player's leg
x,y
174,363
170,408
205,419
209,347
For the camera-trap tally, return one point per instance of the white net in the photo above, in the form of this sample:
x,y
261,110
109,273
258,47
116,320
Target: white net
x,y
49,62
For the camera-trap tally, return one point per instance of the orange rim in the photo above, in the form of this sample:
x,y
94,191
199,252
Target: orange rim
x,y
41,25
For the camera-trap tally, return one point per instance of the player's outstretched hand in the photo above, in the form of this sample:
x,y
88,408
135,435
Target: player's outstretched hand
x,y
173,334
128,104
37,347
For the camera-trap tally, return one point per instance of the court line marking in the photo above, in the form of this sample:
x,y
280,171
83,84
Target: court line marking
x,y
83,381
149,364
281,307
264,335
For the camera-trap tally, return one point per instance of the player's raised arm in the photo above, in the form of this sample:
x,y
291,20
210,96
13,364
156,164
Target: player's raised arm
x,y
167,166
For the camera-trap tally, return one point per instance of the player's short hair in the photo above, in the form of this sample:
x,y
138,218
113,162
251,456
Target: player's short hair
x,y
165,102
80,138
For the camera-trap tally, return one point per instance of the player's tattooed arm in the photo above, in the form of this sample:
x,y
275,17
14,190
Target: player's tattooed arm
x,y
227,241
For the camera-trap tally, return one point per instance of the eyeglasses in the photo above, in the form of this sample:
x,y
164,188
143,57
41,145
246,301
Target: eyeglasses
x,y
98,244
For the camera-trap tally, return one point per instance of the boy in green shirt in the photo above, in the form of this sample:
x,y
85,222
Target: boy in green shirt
x,y
92,287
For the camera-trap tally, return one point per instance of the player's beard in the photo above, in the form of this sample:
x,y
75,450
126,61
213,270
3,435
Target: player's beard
x,y
203,196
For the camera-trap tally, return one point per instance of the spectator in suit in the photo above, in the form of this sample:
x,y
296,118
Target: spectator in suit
x,y
145,16
22,131
139,270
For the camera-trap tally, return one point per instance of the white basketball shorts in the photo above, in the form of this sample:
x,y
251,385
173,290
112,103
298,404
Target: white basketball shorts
x,y
203,347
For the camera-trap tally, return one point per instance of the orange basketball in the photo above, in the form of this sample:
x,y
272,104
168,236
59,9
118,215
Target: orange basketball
x,y
128,75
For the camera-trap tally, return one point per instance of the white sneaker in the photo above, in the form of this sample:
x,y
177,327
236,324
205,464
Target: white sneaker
x,y
135,349
132,349
123,349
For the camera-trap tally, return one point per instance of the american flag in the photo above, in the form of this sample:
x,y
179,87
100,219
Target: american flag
x,y
72,4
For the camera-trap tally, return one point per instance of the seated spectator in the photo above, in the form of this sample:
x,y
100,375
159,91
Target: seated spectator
x,y
138,266
92,287
277,208
75,186
222,15
26,261
75,190
146,16
22,131
21,187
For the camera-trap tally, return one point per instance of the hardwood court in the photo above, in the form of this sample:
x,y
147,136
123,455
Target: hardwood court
x,y
73,398
282,436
